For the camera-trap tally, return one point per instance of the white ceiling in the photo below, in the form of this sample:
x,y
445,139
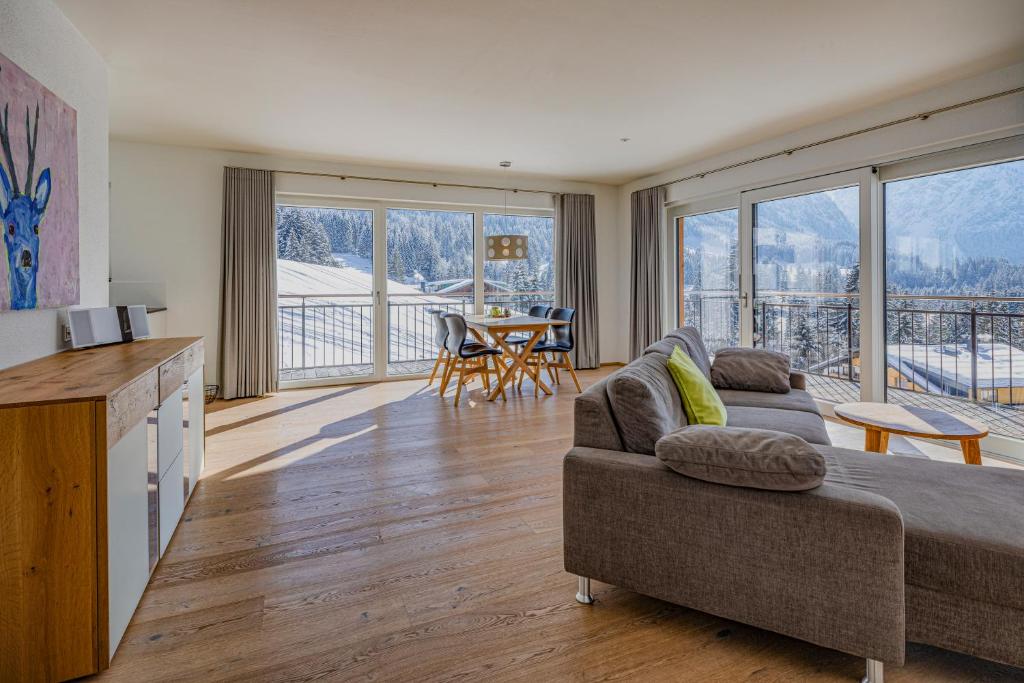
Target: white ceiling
x,y
550,84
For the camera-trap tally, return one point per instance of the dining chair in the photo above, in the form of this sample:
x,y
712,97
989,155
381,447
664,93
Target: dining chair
x,y
536,311
560,341
440,335
469,358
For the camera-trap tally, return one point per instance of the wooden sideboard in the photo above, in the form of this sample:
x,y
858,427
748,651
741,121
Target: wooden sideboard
x,y
99,450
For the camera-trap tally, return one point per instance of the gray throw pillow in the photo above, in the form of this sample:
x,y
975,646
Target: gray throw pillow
x,y
736,456
751,370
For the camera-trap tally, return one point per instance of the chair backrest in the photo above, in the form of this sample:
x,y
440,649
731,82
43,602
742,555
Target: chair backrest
x,y
456,332
440,328
540,311
562,334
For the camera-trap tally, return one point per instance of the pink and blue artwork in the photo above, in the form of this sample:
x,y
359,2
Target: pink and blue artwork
x,y
38,194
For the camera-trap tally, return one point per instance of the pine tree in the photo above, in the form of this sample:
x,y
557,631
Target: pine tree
x,y
805,342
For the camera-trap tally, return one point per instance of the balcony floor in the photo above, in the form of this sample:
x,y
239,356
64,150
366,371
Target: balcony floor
x,y
1000,420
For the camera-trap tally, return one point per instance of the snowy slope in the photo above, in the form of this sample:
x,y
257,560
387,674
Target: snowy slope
x,y
333,325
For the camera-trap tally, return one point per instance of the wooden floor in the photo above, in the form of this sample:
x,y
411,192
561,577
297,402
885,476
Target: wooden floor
x,y
376,532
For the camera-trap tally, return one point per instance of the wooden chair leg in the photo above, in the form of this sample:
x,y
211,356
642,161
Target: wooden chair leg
x,y
446,376
572,371
462,380
501,385
486,372
522,374
437,364
551,373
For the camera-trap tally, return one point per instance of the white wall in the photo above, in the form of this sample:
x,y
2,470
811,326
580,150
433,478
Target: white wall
x,y
985,121
165,224
36,36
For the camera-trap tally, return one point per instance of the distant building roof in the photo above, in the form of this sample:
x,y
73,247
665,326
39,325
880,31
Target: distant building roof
x,y
465,286
931,365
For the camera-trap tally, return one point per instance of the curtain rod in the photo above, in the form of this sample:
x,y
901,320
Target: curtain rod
x,y
432,183
923,116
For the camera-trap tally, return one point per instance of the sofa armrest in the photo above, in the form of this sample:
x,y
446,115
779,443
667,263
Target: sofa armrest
x,y
797,380
825,565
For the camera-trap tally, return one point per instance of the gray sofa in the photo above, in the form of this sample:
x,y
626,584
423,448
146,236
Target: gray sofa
x,y
888,550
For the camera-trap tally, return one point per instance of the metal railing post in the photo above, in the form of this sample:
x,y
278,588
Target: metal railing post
x,y
849,340
974,352
304,333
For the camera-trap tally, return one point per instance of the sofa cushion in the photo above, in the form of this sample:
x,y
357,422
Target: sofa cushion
x,y
797,399
807,426
645,403
962,523
693,345
751,458
751,370
700,400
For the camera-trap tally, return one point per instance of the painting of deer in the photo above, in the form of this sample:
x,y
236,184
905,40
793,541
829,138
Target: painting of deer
x,y
39,212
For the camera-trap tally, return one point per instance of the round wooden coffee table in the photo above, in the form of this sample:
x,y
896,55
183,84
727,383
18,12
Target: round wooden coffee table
x,y
879,420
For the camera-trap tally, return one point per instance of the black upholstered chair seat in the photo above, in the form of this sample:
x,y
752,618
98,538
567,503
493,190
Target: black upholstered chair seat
x,y
476,349
544,347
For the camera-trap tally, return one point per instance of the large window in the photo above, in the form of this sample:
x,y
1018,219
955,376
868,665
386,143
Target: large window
x,y
708,275
429,267
807,282
955,293
521,283
324,292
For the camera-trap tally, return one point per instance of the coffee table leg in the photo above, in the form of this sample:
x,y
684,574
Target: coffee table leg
x,y
876,441
972,451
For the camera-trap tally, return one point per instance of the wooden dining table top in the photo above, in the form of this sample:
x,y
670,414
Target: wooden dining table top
x,y
515,322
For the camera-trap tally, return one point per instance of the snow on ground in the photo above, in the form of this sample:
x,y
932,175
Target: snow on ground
x,y
335,327
932,365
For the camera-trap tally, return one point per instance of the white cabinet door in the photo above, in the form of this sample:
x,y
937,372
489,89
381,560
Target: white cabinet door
x,y
196,428
127,529
172,500
169,432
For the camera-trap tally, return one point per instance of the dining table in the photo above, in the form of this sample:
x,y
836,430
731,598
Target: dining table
x,y
499,329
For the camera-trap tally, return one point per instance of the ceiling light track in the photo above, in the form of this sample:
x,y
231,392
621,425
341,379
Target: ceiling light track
x,y
923,116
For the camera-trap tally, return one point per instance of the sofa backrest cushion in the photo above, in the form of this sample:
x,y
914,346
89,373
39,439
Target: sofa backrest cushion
x,y
693,345
751,458
593,423
645,403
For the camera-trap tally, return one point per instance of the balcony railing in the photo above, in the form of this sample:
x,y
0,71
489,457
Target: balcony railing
x,y
332,334
324,330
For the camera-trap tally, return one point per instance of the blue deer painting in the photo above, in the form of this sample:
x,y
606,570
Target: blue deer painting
x,y
22,209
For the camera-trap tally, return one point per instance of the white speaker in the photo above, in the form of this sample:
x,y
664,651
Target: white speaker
x,y
108,325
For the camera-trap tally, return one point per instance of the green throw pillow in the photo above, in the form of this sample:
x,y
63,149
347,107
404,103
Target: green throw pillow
x,y
700,400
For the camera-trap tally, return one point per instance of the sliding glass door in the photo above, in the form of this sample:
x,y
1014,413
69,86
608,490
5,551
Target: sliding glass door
x,y
430,266
954,302
707,275
325,285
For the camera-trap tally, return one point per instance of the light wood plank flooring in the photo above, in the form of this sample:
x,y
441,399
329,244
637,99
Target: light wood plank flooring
x,y
376,532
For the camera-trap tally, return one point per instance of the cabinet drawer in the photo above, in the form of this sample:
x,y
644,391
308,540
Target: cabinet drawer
x,y
169,432
172,501
172,376
128,406
193,358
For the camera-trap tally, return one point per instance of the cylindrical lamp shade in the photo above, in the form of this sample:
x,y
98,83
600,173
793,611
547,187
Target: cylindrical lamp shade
x,y
506,247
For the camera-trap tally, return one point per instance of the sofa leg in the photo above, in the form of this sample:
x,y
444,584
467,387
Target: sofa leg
x,y
874,672
584,596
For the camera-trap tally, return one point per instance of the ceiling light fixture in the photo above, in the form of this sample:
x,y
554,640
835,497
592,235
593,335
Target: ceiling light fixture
x,y
506,247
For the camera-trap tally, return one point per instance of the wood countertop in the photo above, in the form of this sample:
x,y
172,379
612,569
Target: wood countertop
x,y
86,374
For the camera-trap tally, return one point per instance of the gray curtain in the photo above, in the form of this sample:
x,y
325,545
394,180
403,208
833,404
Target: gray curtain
x,y
646,212
576,272
248,327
